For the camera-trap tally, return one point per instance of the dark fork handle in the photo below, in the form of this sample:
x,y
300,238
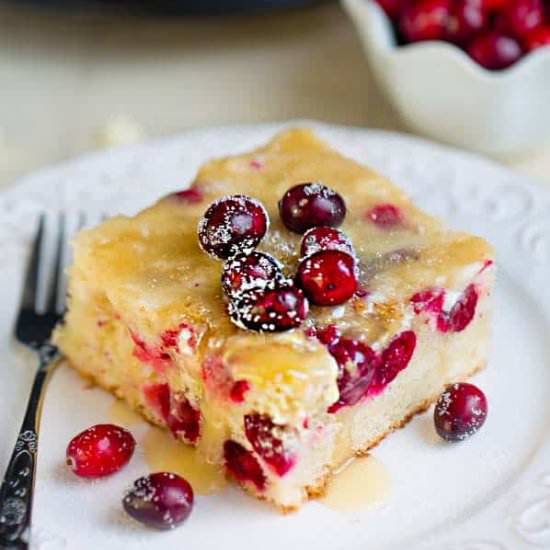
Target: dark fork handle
x,y
16,493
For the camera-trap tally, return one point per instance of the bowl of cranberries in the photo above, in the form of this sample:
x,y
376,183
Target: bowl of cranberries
x,y
473,73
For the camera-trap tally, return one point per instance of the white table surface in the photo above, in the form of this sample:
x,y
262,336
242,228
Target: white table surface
x,y
67,84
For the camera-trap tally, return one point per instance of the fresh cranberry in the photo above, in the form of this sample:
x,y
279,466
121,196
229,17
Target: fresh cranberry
x,y
495,51
242,465
425,20
328,277
100,450
193,195
494,6
309,205
462,312
395,358
356,367
162,500
537,38
460,411
522,16
385,216
238,390
265,437
232,224
277,308
325,238
176,410
244,272
392,7
467,18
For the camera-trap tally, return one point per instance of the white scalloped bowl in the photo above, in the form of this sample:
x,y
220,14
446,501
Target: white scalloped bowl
x,y
442,93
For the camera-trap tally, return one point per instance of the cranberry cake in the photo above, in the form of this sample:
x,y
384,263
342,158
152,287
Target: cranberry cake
x,y
283,314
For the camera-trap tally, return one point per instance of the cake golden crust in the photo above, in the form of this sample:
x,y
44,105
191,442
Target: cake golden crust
x,y
147,320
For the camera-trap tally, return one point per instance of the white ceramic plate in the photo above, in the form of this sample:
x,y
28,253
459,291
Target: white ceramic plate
x,y
489,493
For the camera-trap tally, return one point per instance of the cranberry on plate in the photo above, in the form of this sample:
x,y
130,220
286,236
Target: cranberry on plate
x,y
495,51
309,205
460,412
232,224
100,450
162,500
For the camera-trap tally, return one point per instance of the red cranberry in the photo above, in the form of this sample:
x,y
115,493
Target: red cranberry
x,y
249,271
537,38
238,390
391,7
356,367
462,312
495,51
328,277
460,411
329,335
162,500
274,309
385,216
265,437
425,20
100,450
232,224
430,301
467,18
242,465
193,195
522,16
395,358
325,238
494,6
309,205
176,410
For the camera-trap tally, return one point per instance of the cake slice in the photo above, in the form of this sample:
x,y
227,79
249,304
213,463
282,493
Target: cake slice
x,y
302,358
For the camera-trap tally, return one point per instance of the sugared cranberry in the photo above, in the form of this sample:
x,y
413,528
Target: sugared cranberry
x,y
392,7
395,358
385,216
425,20
462,312
467,18
193,195
242,465
232,224
537,38
356,367
249,271
325,238
329,335
522,16
176,410
100,450
238,390
495,51
266,439
162,500
328,277
310,205
460,411
276,308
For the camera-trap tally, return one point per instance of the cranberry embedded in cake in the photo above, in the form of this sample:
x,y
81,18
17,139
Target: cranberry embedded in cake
x,y
339,311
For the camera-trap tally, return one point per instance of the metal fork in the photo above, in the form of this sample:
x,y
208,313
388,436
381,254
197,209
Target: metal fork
x,y
33,329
